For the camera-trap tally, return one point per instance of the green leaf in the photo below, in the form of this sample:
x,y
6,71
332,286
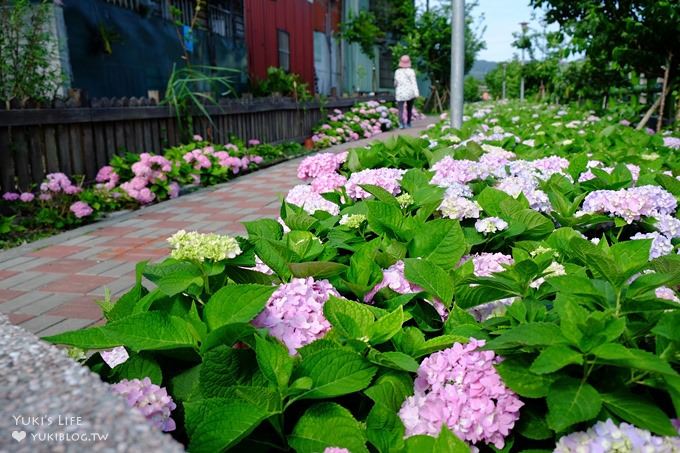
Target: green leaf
x,y
570,401
151,330
217,424
351,319
335,372
328,425
386,327
127,302
631,256
516,375
390,390
440,241
394,360
317,269
446,442
227,335
304,244
536,225
224,367
532,424
555,358
236,303
490,200
640,412
618,355
274,361
533,334
430,277
139,366
385,218
174,277
275,255
380,194
265,228
438,343
668,326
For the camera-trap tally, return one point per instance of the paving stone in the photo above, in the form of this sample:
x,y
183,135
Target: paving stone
x,y
22,301
40,323
39,281
102,267
91,252
46,304
18,279
81,284
64,326
30,265
9,264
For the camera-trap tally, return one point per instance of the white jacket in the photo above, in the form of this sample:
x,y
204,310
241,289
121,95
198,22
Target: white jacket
x,y
405,84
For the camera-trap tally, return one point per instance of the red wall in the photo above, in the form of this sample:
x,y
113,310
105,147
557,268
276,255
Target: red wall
x,y
319,15
263,18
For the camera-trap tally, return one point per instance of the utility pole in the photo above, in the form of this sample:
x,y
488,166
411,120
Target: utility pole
x,y
457,62
504,68
524,26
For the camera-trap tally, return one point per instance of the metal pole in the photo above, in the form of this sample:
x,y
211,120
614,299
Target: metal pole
x,y
521,83
504,67
457,62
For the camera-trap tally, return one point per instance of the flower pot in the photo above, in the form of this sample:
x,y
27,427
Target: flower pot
x,y
309,143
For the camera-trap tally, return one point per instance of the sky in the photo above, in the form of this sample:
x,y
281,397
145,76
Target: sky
x,y
502,18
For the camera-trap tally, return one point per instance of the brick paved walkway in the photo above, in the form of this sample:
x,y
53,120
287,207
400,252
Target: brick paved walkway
x,y
52,285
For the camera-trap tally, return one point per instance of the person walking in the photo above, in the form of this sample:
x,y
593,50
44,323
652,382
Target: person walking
x,y
406,90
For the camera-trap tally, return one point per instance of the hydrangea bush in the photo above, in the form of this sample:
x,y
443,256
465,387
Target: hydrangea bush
x,y
425,294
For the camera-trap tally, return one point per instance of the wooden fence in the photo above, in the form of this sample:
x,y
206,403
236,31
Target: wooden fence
x,y
78,141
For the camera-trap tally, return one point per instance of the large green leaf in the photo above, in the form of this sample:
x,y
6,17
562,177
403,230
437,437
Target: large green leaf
x,y
236,303
445,442
335,372
274,361
533,334
174,277
151,330
275,255
139,366
440,241
640,412
516,375
554,358
217,424
317,269
351,319
619,355
328,425
265,228
387,219
430,277
669,326
387,326
571,401
224,367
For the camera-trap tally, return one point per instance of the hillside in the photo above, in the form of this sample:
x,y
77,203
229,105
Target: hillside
x,y
481,67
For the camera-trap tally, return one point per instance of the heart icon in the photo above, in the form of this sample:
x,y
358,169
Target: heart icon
x,y
19,435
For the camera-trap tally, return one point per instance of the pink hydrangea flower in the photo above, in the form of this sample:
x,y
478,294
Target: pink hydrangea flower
x,y
114,357
460,388
304,196
150,399
449,170
630,204
10,196
294,313
328,182
387,178
173,189
486,264
107,177
27,197
320,164
394,279
253,142
336,450
81,209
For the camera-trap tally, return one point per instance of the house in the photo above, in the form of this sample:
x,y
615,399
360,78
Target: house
x,y
116,48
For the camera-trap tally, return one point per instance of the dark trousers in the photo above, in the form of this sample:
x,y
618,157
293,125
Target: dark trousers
x,y
405,111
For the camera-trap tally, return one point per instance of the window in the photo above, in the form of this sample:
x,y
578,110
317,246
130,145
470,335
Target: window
x,y
284,50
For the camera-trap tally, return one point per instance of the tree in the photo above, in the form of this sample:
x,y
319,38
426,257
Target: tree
x,y
494,80
470,89
631,35
429,45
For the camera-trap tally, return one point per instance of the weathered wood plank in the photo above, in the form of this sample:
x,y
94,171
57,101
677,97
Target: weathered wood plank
x,y
110,141
76,136
21,160
89,153
7,160
36,152
139,137
51,150
64,152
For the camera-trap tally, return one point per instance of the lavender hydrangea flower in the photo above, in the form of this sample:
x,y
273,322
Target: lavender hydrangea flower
x,y
449,170
81,209
294,313
387,178
10,196
668,225
608,437
664,292
630,204
458,208
661,245
114,357
336,450
486,264
672,142
150,399
460,387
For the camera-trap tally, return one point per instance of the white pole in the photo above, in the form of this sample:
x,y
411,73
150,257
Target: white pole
x,y
521,83
457,62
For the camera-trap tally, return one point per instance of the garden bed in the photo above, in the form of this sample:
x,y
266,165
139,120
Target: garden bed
x,y
510,286
131,180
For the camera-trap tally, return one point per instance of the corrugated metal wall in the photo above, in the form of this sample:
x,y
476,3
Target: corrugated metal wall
x,y
263,19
